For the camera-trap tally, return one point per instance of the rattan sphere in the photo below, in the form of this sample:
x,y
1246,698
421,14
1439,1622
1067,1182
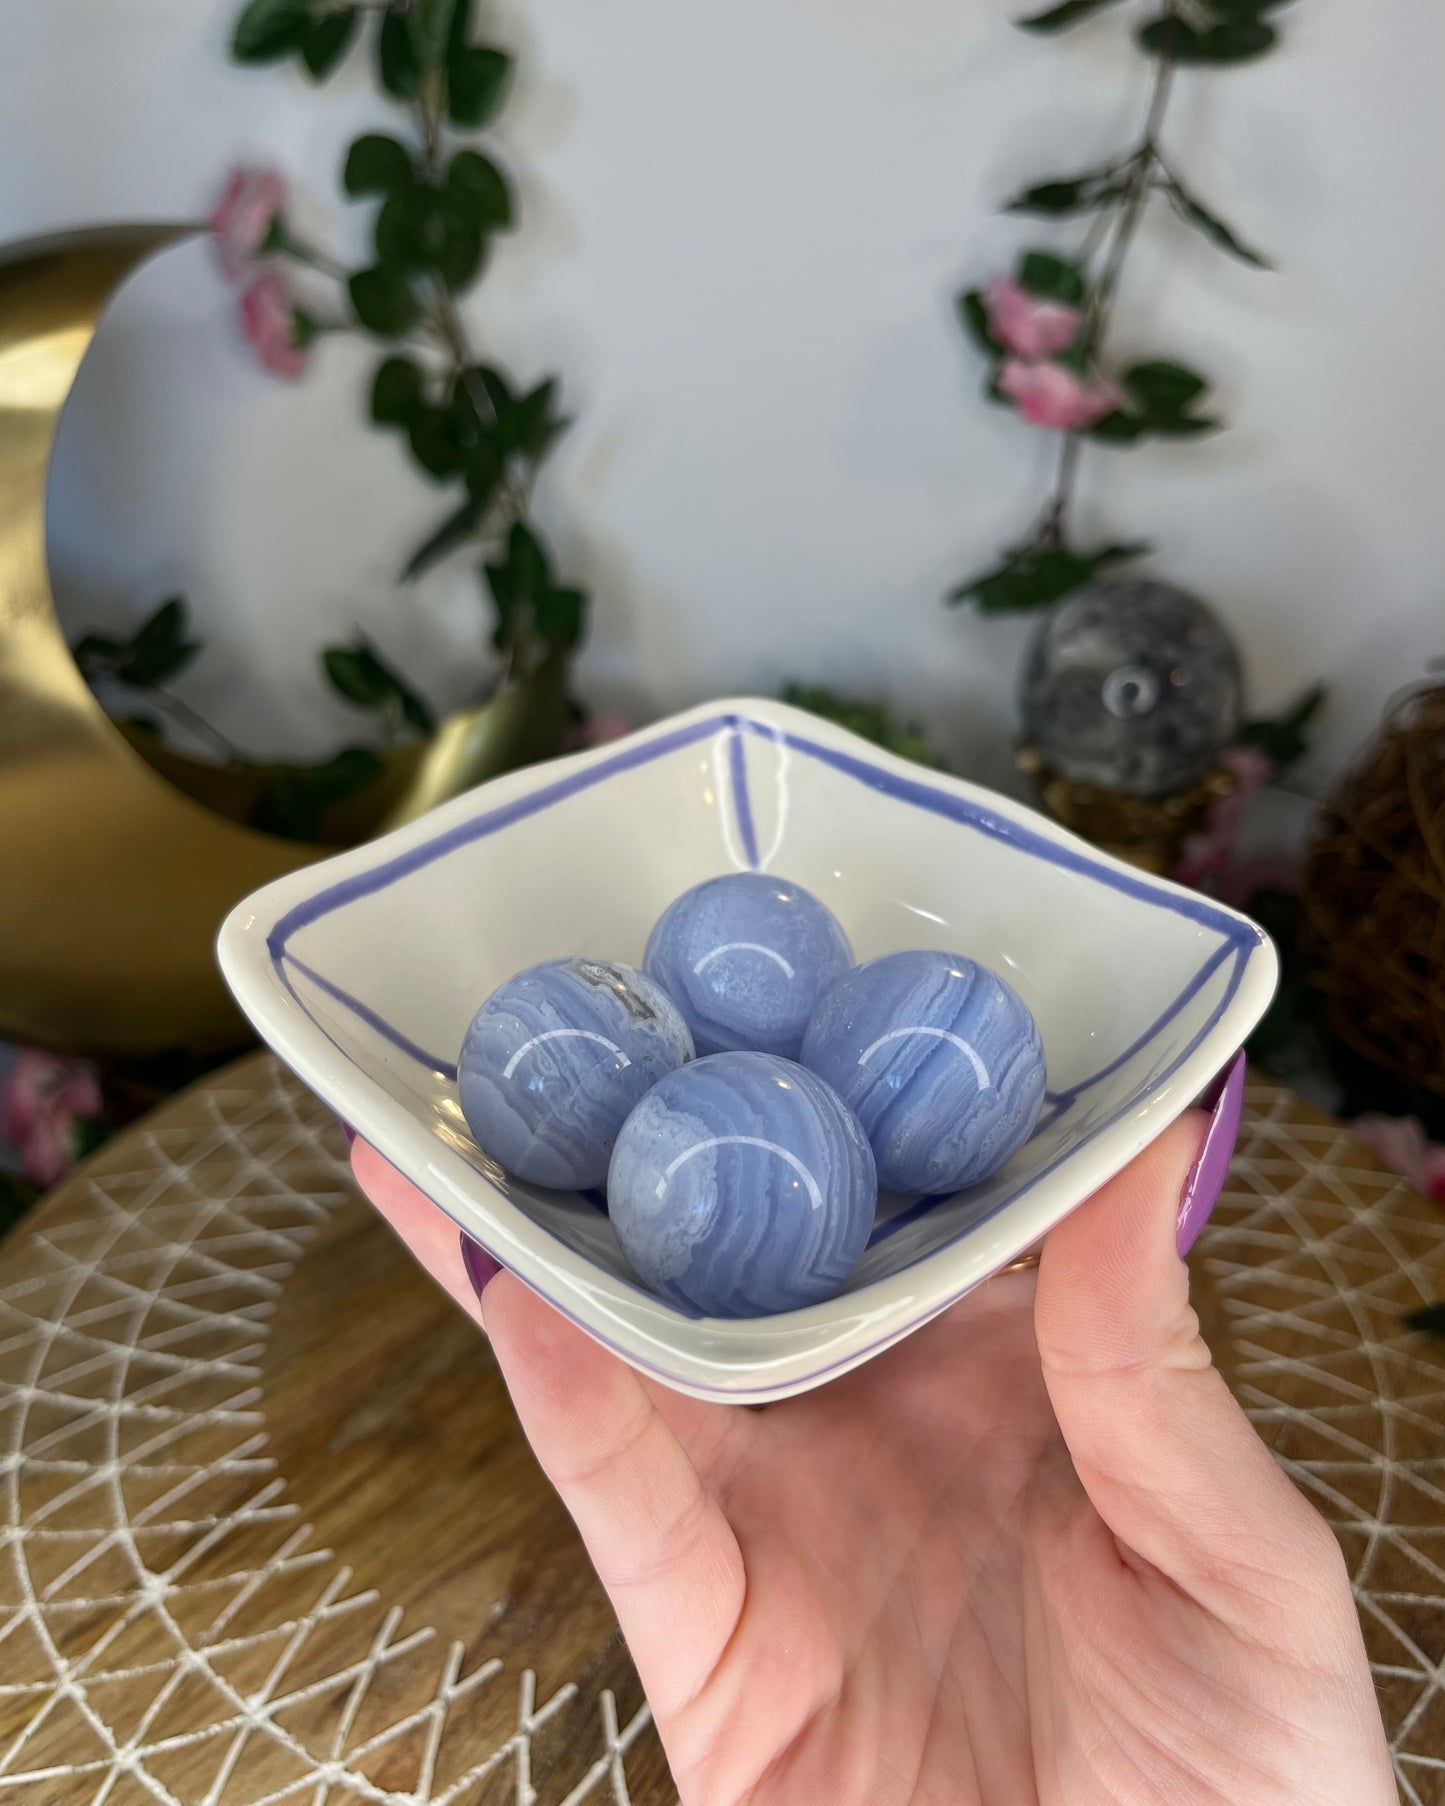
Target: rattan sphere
x,y
1373,896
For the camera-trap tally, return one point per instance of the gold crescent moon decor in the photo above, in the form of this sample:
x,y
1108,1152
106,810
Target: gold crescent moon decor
x,y
115,882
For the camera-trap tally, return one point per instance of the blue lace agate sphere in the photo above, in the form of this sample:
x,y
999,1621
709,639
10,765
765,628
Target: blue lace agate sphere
x,y
557,1057
742,1185
746,959
940,1059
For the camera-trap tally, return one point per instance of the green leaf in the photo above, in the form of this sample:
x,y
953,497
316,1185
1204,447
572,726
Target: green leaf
x,y
1119,427
460,245
160,651
327,41
974,315
306,328
1065,196
1181,426
376,164
454,531
267,30
430,24
560,614
362,676
1213,228
397,392
478,182
433,442
460,33
396,60
383,302
1165,386
98,655
870,720
422,228
498,390
1051,278
356,674
1060,18
1235,41
477,80
1282,739
535,428
297,797
1030,577
1429,1320
1053,199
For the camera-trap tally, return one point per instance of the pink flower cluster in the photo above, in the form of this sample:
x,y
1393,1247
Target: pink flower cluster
x,y
45,1104
1402,1144
241,226
1033,333
1207,860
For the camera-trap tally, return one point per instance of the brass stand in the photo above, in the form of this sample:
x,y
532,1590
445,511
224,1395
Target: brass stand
x,y
1147,831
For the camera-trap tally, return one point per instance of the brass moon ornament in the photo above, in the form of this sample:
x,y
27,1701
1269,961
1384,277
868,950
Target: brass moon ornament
x,y
112,882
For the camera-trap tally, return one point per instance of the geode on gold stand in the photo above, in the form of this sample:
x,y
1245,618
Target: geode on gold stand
x,y
1131,686
1147,831
1131,690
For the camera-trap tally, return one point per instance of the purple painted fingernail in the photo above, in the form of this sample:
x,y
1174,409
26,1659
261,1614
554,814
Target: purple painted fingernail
x,y
1225,1100
481,1268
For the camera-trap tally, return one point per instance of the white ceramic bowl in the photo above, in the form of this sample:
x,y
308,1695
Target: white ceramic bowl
x,y
364,972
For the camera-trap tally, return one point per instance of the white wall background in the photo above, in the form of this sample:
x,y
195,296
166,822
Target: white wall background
x,y
743,226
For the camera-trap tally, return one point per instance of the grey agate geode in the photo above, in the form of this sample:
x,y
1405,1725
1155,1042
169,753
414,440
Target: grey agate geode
x,y
1131,685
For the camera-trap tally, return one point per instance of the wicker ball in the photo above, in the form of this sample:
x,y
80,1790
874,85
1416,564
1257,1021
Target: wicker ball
x,y
1373,897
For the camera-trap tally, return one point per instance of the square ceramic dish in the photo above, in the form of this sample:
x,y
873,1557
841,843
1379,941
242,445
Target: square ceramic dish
x,y
363,973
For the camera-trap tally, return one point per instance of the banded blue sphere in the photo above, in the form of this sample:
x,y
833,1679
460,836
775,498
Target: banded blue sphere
x,y
742,1185
940,1059
746,958
556,1058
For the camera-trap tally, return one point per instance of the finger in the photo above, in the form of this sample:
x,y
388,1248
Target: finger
x,y
428,1232
656,1534
1167,1457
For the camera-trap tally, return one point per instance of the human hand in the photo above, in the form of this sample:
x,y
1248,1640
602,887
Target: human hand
x,y
1034,1553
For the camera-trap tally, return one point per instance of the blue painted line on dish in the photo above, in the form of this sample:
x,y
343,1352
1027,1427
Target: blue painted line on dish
x,y
998,827
404,1043
417,858
742,803
1065,1100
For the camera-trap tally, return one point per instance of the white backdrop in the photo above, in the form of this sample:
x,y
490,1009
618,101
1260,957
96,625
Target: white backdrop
x,y
743,226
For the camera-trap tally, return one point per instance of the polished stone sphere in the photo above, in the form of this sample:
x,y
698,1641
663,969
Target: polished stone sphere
x,y
746,958
741,1185
940,1060
1131,685
556,1058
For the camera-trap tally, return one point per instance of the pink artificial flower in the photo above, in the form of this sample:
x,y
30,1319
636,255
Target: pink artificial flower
x,y
1210,854
42,1107
1025,326
268,322
1052,396
598,731
1402,1144
244,217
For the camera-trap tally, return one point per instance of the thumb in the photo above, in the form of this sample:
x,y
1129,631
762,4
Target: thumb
x,y
1167,1457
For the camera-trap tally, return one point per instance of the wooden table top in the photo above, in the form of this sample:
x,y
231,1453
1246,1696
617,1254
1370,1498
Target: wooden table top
x,y
273,1534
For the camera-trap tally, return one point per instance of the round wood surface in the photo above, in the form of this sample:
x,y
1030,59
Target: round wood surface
x,y
273,1534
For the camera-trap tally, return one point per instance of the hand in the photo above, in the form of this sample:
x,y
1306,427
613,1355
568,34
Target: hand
x,y
1034,1553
